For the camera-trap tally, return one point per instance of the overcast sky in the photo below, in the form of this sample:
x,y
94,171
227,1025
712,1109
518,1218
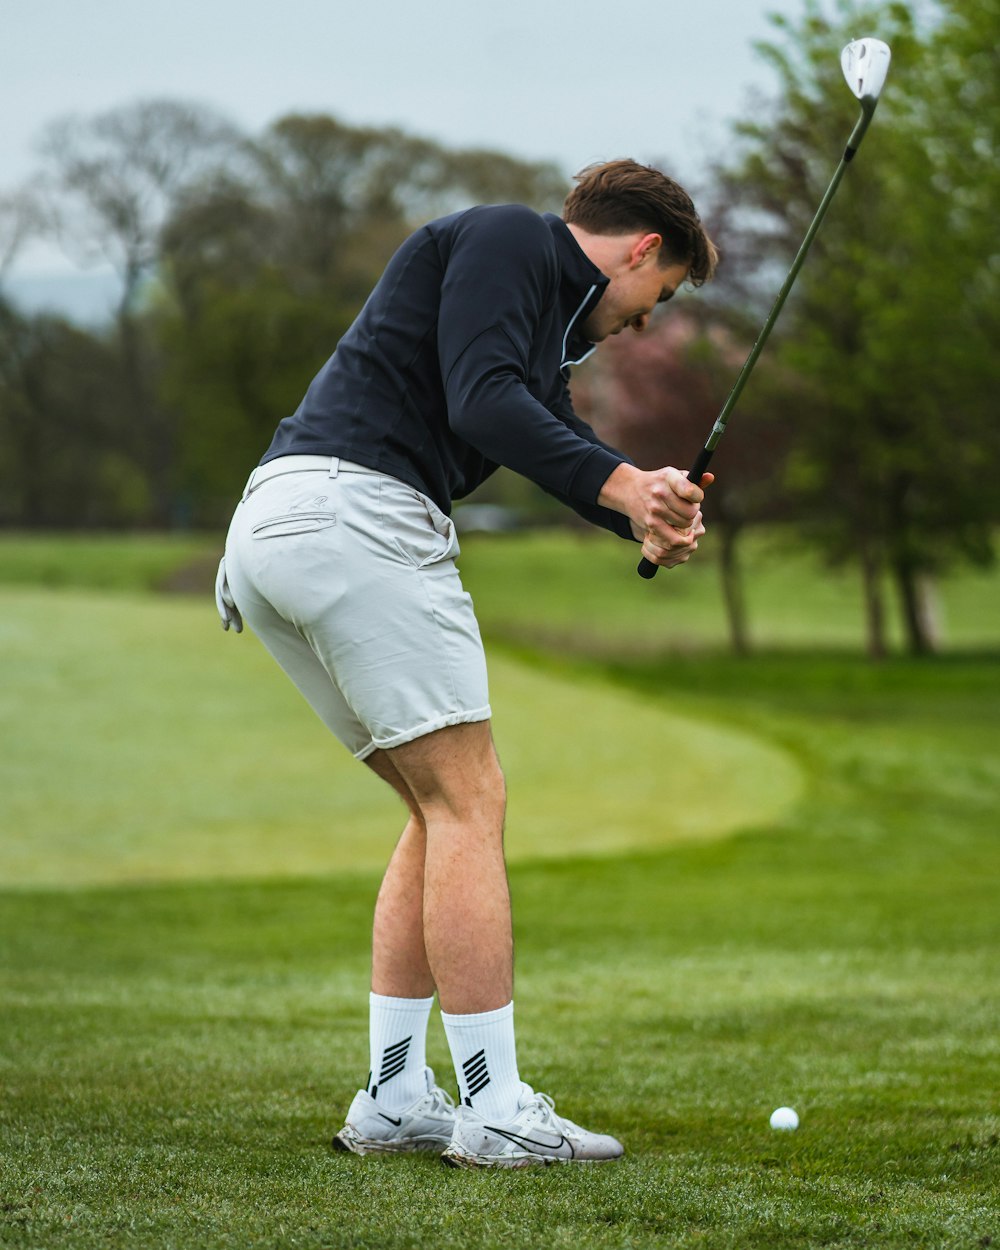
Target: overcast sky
x,y
568,80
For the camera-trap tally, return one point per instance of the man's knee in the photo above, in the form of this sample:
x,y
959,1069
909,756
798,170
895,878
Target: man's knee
x,y
382,765
454,770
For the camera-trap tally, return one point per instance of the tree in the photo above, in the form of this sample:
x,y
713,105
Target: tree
x,y
656,397
62,415
882,344
242,261
112,182
20,219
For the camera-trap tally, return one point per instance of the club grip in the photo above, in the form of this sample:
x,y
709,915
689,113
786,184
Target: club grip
x,y
647,568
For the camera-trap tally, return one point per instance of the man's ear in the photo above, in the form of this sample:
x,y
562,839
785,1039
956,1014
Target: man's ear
x,y
646,249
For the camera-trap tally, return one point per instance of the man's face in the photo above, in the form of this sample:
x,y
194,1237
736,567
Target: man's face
x,y
635,288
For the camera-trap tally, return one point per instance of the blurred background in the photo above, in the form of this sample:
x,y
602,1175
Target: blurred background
x,y
195,203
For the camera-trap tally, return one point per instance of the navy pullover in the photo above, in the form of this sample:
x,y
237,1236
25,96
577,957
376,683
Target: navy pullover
x,y
459,362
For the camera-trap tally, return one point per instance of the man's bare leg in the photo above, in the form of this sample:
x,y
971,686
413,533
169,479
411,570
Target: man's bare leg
x,y
442,921
401,1108
454,780
452,783
399,960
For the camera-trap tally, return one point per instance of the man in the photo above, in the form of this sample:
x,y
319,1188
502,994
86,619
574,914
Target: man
x,y
341,558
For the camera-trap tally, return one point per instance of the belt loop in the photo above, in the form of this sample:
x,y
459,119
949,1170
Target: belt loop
x,y
334,465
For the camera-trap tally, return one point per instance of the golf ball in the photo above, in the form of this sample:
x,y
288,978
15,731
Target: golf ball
x,y
784,1118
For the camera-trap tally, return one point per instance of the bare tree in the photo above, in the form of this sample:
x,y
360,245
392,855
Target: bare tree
x,y
110,183
21,217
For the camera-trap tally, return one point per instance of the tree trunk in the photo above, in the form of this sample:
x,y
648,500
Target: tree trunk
x,y
871,572
732,589
154,452
919,609
929,610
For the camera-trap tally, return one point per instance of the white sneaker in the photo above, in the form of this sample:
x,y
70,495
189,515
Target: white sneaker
x,y
536,1135
426,1124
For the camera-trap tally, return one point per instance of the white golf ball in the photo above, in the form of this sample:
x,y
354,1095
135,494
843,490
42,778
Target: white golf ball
x,y
785,1119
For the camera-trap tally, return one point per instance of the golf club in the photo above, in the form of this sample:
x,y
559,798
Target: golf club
x,y
865,63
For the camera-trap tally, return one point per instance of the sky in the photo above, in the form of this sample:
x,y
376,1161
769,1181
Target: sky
x,y
566,80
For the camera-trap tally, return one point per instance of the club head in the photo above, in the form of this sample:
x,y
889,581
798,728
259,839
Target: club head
x,y
865,63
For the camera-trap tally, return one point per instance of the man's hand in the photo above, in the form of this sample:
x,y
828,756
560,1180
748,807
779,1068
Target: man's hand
x,y
677,548
229,613
663,508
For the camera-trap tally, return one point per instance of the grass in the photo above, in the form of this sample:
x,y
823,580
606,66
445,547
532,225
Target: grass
x,y
161,730
575,587
175,1053
116,562
580,588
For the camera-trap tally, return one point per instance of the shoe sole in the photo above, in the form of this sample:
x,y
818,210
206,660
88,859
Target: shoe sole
x,y
368,1146
457,1159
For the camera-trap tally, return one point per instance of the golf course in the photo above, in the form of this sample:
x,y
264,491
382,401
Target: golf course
x,y
738,883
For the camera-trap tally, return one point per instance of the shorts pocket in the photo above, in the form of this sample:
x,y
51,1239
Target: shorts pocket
x,y
291,523
415,526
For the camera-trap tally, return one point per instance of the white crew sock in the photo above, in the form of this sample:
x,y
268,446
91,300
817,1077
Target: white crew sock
x,y
485,1058
397,1039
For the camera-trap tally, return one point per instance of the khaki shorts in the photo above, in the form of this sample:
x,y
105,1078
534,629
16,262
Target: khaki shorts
x,y
348,578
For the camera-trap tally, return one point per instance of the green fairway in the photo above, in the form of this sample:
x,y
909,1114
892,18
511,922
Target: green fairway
x,y
579,589
183,752
570,589
736,885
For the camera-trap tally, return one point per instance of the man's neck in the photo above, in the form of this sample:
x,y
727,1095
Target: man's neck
x,y
609,252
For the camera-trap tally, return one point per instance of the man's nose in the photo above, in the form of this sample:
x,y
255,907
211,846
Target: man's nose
x,y
639,322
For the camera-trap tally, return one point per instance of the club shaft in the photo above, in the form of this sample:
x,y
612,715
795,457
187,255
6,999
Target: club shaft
x,y
646,568
779,303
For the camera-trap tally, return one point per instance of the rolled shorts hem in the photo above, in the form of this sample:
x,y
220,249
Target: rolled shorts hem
x,y
428,727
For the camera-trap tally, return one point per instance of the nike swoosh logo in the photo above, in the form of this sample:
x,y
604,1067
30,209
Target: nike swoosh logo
x,y
553,1145
390,1119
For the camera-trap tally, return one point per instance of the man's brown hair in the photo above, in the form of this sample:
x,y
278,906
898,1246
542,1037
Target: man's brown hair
x,y
619,197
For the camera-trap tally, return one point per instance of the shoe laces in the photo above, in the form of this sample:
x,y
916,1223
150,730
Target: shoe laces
x,y
440,1097
547,1107
443,1099
541,1101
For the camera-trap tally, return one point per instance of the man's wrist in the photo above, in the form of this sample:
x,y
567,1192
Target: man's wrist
x,y
619,488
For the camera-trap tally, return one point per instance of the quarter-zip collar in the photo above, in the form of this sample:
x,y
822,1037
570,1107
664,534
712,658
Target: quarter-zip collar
x,y
581,288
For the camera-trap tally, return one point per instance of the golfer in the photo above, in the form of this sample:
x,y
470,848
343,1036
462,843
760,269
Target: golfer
x,y
341,558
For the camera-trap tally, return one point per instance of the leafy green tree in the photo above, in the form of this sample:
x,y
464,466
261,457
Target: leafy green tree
x,y
232,371
884,337
64,458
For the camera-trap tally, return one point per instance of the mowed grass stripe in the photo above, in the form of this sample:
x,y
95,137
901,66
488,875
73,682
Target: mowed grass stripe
x,y
145,744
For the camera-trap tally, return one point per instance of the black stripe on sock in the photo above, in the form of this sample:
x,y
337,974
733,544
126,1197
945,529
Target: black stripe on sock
x,y
394,1059
477,1075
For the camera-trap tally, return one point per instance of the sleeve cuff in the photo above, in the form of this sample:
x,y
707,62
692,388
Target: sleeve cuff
x,y
588,481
